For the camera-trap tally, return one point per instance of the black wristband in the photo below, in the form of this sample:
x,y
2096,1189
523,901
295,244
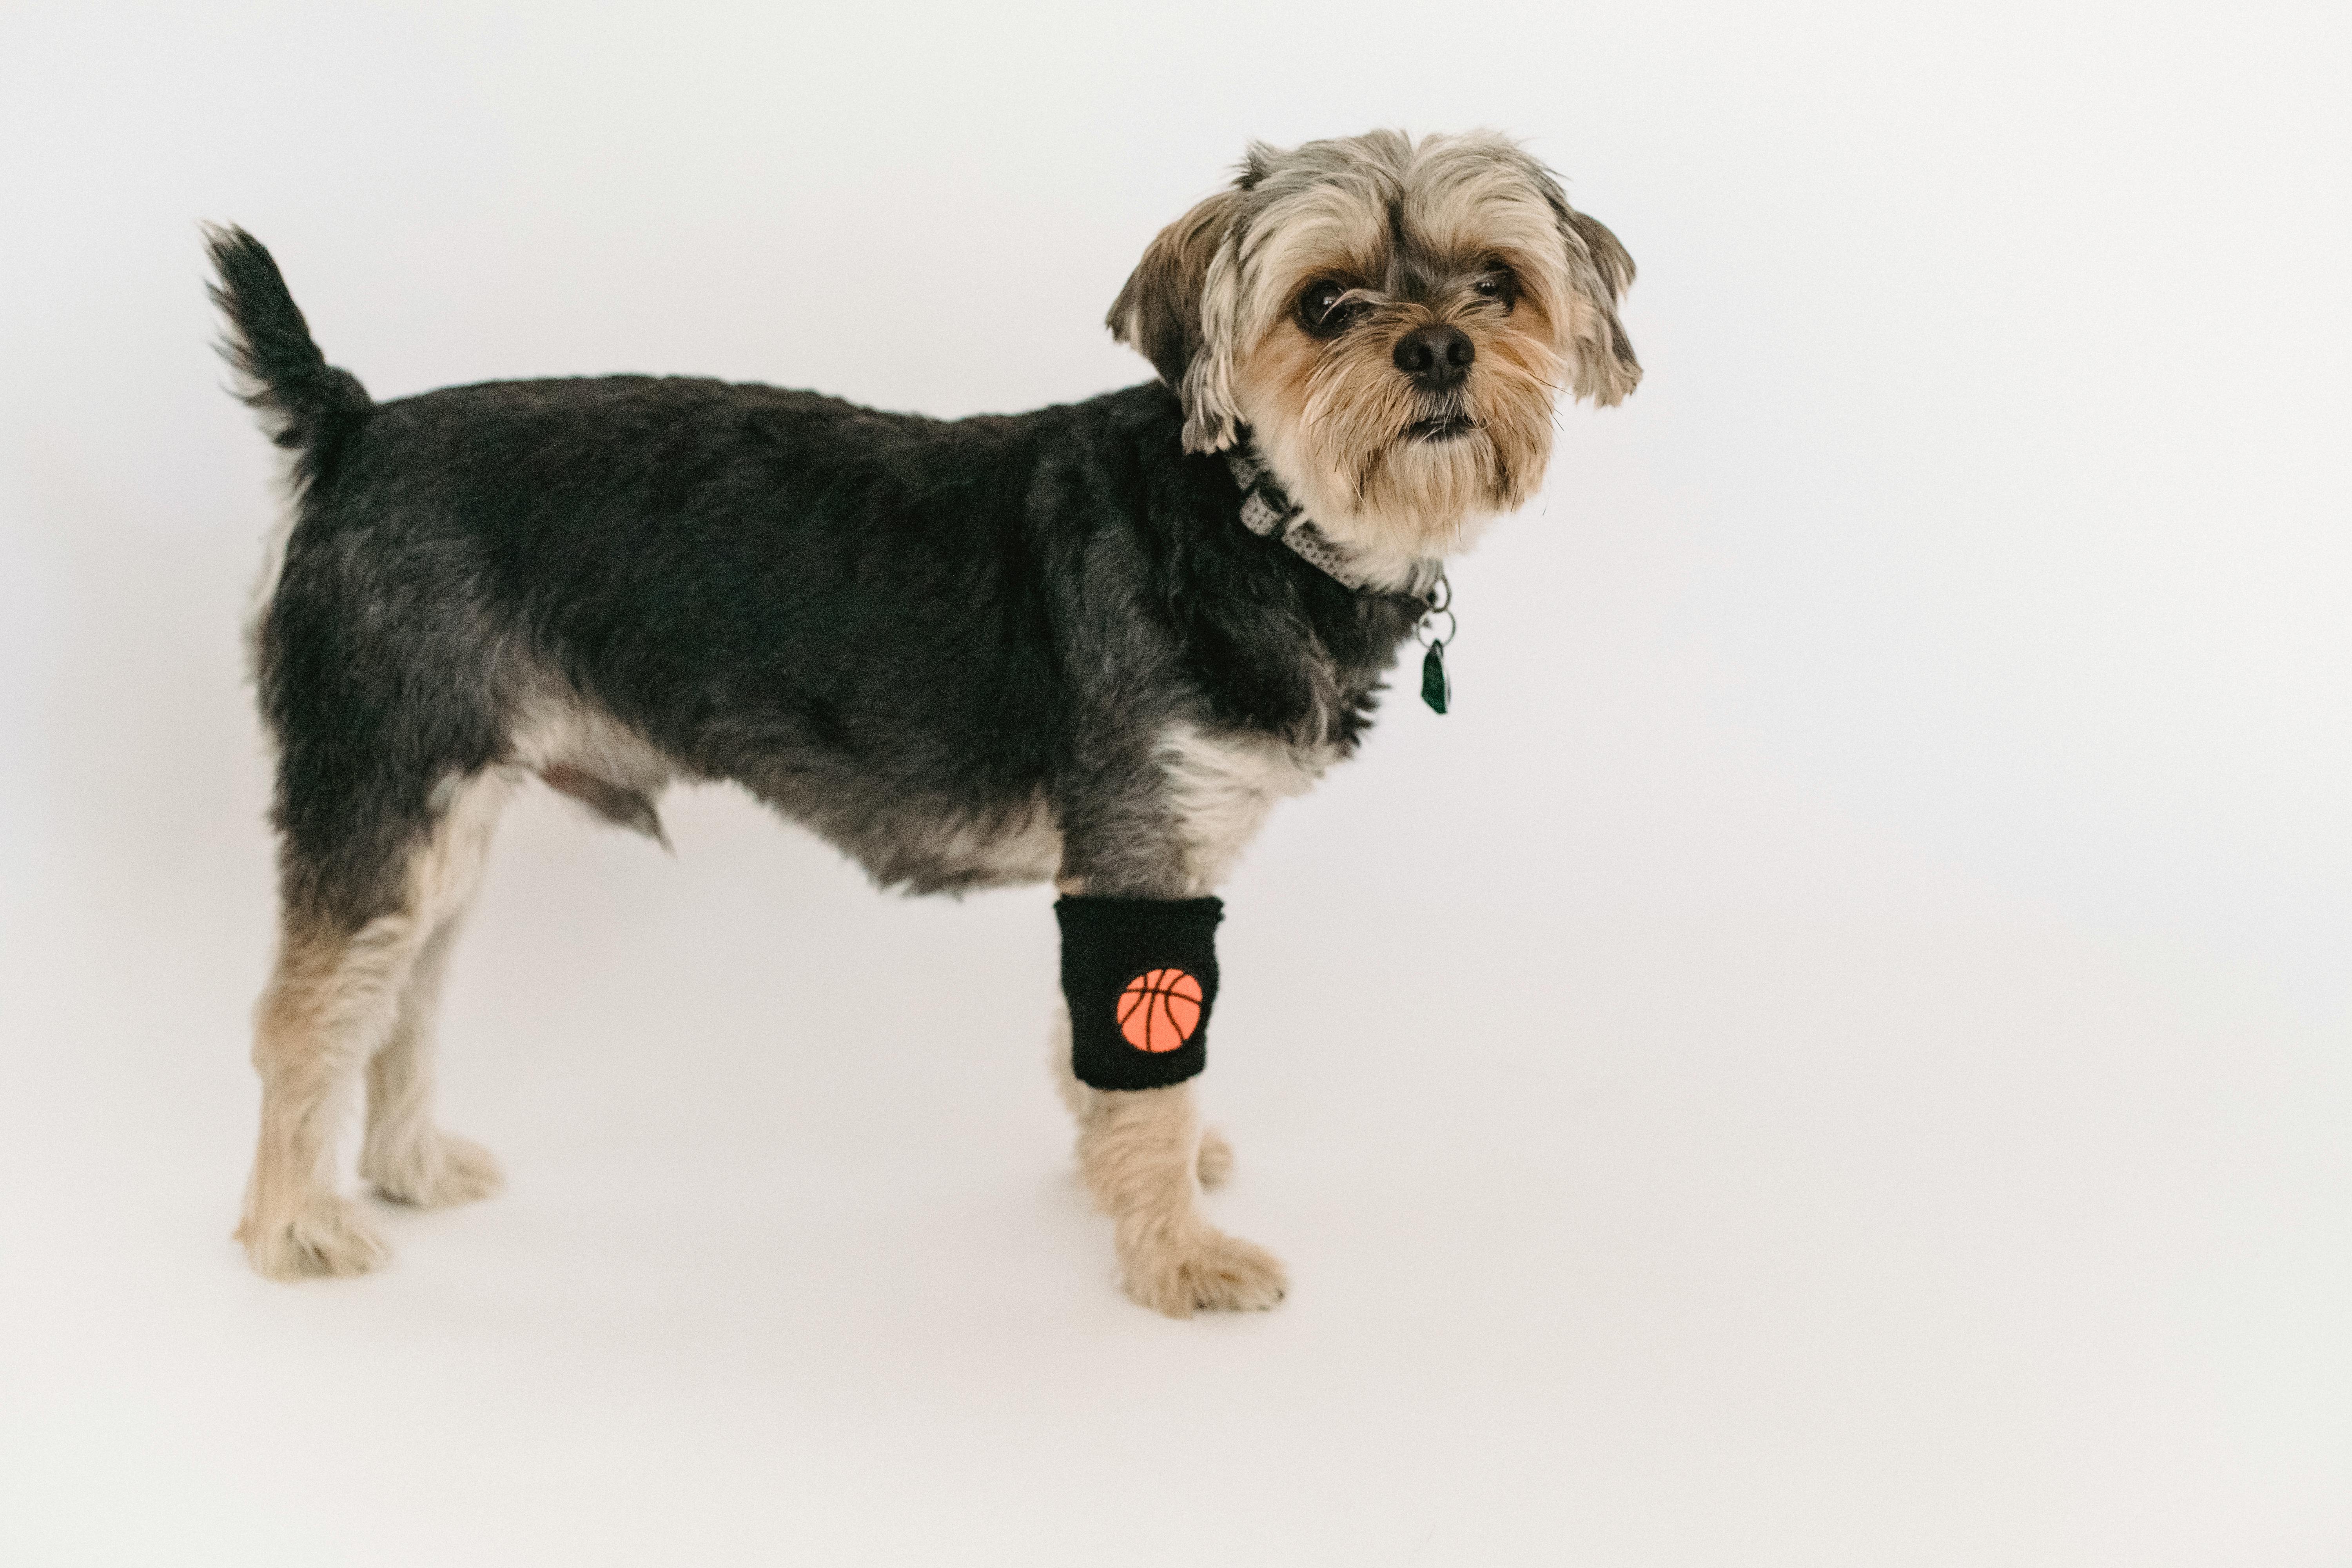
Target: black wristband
x,y
1140,975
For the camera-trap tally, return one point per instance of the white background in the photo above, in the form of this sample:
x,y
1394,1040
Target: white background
x,y
1834,1054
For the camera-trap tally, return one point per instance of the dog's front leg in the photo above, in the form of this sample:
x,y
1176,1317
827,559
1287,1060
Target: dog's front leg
x,y
1139,980
1145,1157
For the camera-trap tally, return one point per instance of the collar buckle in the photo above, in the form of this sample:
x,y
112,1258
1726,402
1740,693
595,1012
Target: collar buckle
x,y
1268,511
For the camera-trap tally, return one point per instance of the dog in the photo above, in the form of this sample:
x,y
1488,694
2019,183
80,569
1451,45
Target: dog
x,y
1093,644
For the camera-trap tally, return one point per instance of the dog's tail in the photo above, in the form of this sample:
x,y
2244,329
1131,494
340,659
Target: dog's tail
x,y
305,403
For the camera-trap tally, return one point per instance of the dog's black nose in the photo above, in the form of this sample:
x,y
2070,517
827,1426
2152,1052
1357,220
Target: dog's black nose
x,y
1436,357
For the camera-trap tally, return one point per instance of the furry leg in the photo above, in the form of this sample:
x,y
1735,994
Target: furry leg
x,y
331,1000
1215,1164
406,1157
334,1001
1143,1157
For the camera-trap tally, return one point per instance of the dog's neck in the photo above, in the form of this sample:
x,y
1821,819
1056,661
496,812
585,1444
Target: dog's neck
x,y
1269,510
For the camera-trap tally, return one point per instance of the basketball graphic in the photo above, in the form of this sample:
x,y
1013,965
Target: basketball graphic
x,y
1160,1009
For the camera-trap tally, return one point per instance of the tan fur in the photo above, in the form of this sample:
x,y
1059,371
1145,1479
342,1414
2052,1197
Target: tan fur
x,y
1331,418
404,1156
1145,1158
1158,313
341,1004
1223,785
560,732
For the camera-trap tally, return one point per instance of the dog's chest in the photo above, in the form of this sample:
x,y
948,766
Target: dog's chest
x,y
1222,783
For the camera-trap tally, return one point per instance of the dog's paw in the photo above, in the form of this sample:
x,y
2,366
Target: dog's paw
x,y
1215,1161
326,1235
434,1172
1201,1269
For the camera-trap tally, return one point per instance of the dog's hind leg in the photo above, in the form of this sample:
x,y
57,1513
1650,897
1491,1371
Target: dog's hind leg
x,y
342,990
405,1155
331,1000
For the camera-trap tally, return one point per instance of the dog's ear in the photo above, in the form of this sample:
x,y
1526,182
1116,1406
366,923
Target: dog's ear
x,y
1599,273
1159,313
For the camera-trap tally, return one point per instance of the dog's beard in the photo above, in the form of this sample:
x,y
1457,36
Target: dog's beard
x,y
1387,467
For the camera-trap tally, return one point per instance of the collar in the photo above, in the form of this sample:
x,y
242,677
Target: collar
x,y
1268,511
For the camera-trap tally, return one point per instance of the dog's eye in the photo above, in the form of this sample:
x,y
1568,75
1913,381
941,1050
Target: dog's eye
x,y
1320,312
1499,284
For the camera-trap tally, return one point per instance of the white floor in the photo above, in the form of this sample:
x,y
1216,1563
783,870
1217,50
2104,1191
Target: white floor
x,y
1913,1230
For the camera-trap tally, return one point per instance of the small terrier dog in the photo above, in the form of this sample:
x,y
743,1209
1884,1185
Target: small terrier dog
x,y
1092,644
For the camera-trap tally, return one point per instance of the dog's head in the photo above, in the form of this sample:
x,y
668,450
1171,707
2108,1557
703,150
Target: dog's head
x,y
1391,320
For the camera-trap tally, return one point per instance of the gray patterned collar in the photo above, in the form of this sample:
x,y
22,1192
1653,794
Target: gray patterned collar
x,y
1268,511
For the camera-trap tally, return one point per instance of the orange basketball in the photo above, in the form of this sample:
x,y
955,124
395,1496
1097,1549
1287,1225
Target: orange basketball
x,y
1160,1009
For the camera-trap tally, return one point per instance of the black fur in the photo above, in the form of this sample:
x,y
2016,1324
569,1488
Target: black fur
x,y
890,627
309,402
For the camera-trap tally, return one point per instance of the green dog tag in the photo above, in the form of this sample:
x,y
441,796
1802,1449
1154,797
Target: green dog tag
x,y
1436,689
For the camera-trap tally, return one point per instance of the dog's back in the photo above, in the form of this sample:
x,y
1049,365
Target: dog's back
x,y
869,619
